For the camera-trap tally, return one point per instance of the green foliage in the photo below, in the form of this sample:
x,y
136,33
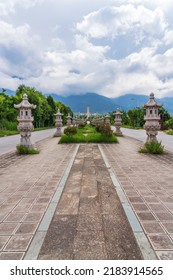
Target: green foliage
x,y
65,110
22,150
136,117
152,147
8,113
88,134
90,138
104,129
8,132
168,124
9,125
169,132
71,130
43,114
166,116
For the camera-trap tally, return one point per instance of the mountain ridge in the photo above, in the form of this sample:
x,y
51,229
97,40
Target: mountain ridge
x,y
102,104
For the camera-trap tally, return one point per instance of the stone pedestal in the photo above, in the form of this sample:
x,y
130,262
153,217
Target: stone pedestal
x,y
152,119
25,120
58,124
118,123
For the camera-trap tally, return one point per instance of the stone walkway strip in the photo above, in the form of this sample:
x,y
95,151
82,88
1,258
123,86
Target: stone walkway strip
x,y
89,221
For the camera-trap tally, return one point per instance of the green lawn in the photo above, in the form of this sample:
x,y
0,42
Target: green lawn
x,y
8,132
88,134
12,132
169,132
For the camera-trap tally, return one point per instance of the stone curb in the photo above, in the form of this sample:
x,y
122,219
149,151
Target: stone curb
x,y
144,245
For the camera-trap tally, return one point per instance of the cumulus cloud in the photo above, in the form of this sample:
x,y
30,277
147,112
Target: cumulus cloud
x,y
19,50
116,21
9,6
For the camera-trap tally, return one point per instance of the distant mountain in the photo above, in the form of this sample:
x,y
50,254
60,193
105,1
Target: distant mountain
x,y
96,102
167,103
102,104
8,91
130,101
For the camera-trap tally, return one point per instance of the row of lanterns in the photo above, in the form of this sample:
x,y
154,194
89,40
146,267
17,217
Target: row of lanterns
x,y
25,120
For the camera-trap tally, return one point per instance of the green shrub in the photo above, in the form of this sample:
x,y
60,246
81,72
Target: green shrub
x,y
7,125
70,130
104,129
88,134
22,150
170,132
152,147
90,138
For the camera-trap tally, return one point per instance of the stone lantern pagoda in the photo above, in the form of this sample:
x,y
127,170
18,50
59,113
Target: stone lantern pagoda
x,y
118,122
25,120
58,123
107,119
69,120
152,118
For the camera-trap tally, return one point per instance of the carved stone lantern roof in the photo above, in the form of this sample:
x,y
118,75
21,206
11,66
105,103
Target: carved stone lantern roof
x,y
25,103
152,102
58,113
118,112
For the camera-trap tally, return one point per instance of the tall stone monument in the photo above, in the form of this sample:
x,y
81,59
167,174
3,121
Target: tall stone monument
x,y
88,114
152,118
25,120
58,124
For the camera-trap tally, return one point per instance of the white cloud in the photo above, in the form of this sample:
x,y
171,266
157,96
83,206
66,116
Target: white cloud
x,y
20,51
116,21
9,6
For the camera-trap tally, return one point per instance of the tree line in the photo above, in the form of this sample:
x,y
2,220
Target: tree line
x,y
44,114
134,118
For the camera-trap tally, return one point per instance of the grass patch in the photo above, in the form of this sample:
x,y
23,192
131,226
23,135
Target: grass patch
x,y
170,131
43,128
88,134
8,132
152,147
132,127
22,150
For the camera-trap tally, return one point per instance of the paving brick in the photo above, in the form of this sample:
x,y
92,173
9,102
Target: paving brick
x,y
151,177
27,186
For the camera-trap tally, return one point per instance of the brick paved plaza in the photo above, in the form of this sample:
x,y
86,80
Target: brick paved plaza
x,y
83,217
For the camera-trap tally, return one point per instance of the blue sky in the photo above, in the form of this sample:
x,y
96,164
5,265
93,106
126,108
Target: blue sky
x,y
111,47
